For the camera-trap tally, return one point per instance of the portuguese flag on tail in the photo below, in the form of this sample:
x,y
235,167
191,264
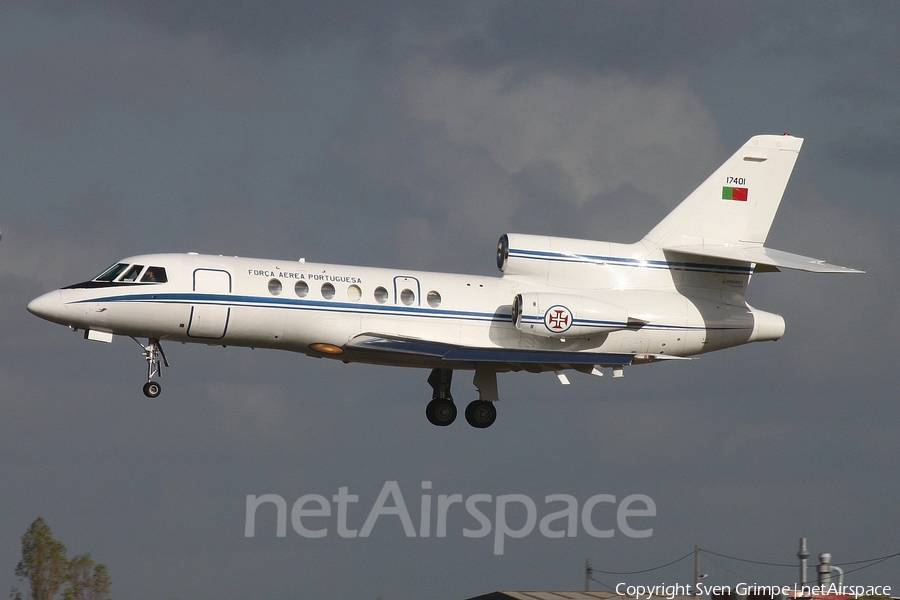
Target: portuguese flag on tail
x,y
734,193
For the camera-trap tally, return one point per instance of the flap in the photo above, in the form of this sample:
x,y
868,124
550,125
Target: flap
x,y
511,356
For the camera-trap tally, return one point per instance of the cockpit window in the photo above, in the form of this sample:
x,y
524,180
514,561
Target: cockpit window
x,y
132,273
154,275
125,273
112,272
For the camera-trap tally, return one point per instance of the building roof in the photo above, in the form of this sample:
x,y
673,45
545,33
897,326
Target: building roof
x,y
524,595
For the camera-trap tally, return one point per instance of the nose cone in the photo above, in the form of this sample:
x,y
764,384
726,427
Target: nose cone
x,y
48,306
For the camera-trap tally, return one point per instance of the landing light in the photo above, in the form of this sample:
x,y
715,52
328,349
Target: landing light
x,y
326,348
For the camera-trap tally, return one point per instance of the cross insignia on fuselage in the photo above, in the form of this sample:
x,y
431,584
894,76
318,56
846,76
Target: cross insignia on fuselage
x,y
559,319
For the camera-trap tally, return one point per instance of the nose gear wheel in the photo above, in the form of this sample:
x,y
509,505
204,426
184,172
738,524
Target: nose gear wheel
x,y
152,352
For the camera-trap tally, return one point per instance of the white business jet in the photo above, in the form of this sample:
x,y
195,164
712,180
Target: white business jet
x,y
561,304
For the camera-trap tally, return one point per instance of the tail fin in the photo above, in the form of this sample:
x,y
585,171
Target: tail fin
x,y
737,204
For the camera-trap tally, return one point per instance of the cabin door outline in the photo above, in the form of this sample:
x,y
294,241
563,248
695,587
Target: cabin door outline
x,y
210,315
404,282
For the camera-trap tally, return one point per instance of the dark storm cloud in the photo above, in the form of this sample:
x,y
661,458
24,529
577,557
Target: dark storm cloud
x,y
601,37
546,192
568,36
833,31
377,181
281,25
878,154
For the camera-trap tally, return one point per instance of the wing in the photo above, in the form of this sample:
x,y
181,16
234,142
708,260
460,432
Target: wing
x,y
384,349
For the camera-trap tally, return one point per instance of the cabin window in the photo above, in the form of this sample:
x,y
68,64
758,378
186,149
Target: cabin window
x,y
154,275
381,295
132,273
301,288
354,293
327,291
112,272
407,297
274,287
434,299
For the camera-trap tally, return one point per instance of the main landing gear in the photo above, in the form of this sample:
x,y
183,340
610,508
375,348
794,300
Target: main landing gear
x,y
152,352
440,411
481,413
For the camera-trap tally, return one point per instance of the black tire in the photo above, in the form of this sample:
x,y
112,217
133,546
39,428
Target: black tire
x,y
152,389
441,412
481,414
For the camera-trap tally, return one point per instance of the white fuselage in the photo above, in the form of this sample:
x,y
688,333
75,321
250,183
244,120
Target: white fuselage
x,y
291,305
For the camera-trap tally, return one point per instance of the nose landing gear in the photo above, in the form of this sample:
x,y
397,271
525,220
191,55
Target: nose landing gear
x,y
152,389
152,353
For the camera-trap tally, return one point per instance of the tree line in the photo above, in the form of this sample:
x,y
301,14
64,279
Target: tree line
x,y
49,573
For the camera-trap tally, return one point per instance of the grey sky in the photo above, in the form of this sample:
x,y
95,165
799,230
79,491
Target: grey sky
x,y
413,135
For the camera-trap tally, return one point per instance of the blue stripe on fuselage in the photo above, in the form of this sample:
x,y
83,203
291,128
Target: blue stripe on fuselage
x,y
300,304
191,298
617,261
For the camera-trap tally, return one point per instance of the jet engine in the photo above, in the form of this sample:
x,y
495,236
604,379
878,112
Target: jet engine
x,y
523,254
565,315
520,254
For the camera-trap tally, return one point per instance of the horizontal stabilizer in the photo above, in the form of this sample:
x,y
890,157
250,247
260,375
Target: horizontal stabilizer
x,y
763,256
